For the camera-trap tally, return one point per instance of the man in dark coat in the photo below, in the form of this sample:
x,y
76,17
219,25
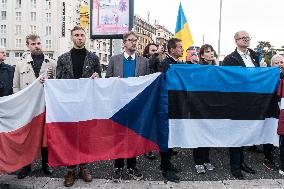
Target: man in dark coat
x,y
6,75
242,56
75,64
175,51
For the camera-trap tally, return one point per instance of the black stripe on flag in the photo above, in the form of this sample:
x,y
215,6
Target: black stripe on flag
x,y
222,105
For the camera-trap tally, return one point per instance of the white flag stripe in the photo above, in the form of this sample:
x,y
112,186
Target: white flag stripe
x,y
87,99
18,109
192,133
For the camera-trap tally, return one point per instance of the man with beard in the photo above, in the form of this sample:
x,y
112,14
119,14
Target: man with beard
x,y
75,64
127,64
33,65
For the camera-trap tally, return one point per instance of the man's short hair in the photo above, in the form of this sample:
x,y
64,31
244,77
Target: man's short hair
x,y
31,37
236,36
172,43
126,35
77,28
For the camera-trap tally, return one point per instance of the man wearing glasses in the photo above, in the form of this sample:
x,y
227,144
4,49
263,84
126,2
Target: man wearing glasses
x,y
127,64
242,56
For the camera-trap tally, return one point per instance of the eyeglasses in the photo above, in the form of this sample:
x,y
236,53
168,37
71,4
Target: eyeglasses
x,y
132,40
244,38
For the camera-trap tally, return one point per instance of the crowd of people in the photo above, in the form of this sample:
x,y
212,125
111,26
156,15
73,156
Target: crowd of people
x,y
81,63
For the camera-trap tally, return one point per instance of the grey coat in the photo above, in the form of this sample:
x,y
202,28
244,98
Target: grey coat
x,y
64,69
115,66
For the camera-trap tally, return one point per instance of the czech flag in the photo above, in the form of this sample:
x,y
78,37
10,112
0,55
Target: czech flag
x,y
89,120
213,106
182,31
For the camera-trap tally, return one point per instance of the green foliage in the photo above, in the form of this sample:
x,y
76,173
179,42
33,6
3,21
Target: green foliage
x,y
267,51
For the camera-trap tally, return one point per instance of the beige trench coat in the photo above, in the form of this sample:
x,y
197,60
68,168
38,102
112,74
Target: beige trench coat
x,y
24,73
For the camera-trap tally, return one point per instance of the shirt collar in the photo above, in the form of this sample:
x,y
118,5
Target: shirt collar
x,y
126,55
175,59
243,53
29,59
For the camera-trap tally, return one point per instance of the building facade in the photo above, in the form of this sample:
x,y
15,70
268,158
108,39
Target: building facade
x,y
162,34
53,20
146,33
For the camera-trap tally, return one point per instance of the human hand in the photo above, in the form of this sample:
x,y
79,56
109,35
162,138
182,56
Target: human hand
x,y
41,79
95,75
49,73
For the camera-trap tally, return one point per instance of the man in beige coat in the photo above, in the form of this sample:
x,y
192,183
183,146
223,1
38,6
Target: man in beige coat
x,y
32,66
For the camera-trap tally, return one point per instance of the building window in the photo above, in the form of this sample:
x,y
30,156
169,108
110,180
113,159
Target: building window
x,y
33,16
3,29
3,4
3,42
48,44
47,4
18,29
48,17
105,58
7,54
18,16
18,54
18,43
18,4
48,30
3,15
104,46
33,29
33,3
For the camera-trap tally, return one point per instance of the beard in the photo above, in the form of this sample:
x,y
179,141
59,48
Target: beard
x,y
79,45
37,52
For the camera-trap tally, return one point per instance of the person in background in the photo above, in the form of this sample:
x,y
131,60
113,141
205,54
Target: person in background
x,y
32,66
156,59
148,52
192,55
276,61
6,75
201,154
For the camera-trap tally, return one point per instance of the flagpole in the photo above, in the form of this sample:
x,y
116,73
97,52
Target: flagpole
x,y
220,27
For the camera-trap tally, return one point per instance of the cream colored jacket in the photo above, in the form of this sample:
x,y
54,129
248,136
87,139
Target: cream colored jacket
x,y
24,73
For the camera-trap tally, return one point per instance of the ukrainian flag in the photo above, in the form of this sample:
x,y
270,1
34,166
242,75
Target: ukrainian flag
x,y
182,31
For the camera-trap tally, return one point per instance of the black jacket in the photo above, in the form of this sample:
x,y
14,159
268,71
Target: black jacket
x,y
6,79
166,63
235,59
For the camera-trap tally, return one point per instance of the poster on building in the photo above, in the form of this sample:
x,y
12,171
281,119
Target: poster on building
x,y
111,18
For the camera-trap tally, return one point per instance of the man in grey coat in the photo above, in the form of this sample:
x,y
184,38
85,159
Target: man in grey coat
x,y
127,64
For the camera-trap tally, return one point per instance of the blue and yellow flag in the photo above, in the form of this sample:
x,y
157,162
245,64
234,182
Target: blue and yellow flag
x,y
182,31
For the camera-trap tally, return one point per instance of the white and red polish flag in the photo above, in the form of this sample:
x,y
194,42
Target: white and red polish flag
x,y
22,117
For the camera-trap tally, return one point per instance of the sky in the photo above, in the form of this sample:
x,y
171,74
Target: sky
x,y
262,19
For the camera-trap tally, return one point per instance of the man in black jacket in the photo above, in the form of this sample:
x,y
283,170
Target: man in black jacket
x,y
6,75
175,51
242,56
75,64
